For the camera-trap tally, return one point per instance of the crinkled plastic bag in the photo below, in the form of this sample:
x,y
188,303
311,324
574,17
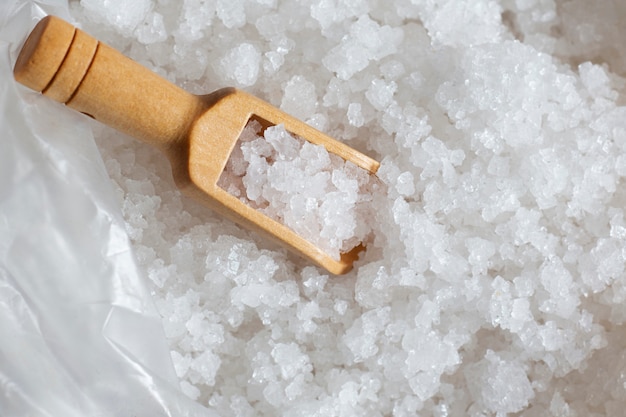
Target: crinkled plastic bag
x,y
79,335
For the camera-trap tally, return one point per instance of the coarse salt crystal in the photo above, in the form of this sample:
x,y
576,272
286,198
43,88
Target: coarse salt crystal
x,y
317,194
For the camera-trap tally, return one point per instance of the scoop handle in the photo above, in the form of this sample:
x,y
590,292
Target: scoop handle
x,y
71,67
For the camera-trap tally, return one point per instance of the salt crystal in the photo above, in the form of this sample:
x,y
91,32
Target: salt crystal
x,y
366,294
152,30
427,352
524,285
231,12
301,185
392,69
381,93
241,65
520,314
425,384
557,280
270,25
405,184
443,23
552,337
341,307
241,407
605,260
347,59
355,116
481,251
181,363
274,394
205,367
299,99
361,337
507,388
295,388
406,407
190,390
159,274
596,80
501,302
328,12
367,41
291,360
309,311
124,16
499,166
428,315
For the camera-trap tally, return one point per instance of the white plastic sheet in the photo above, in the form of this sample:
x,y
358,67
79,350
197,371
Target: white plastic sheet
x,y
79,335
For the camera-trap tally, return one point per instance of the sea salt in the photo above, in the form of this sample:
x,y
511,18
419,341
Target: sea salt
x,y
290,359
507,388
231,13
299,99
241,65
320,196
123,16
492,283
152,30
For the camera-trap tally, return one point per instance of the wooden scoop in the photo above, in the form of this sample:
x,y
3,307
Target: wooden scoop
x,y
197,133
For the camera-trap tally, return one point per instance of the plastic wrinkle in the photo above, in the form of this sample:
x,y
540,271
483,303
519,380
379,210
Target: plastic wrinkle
x,y
79,334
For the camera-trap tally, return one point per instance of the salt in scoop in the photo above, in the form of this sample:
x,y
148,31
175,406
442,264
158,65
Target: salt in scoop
x,y
196,132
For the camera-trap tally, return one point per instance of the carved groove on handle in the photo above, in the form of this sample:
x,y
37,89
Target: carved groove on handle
x,y
75,66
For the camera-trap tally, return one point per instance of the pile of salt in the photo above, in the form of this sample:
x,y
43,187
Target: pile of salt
x,y
494,281
321,197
